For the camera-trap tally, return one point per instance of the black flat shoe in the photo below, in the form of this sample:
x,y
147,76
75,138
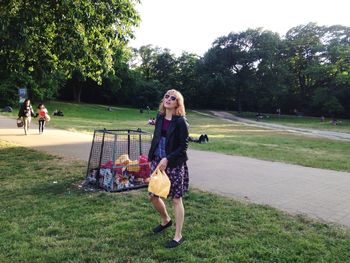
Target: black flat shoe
x,y
173,243
160,228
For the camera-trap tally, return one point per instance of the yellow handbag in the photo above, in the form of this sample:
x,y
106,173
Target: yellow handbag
x,y
159,183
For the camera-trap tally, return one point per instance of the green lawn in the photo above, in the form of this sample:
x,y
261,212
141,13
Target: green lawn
x,y
46,217
300,121
272,145
225,136
238,139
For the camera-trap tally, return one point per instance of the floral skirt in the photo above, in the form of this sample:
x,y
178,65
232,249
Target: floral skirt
x,y
178,177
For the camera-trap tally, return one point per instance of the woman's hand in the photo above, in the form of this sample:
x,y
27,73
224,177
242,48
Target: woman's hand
x,y
163,164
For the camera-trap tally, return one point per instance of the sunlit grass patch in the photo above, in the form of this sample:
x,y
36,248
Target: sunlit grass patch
x,y
284,147
301,121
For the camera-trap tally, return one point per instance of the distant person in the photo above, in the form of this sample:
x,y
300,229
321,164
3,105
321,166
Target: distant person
x,y
322,118
152,121
58,113
148,109
26,113
334,121
43,116
259,116
109,108
7,109
278,112
203,138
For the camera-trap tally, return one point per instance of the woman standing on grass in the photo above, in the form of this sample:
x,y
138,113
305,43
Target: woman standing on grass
x,y
26,112
168,152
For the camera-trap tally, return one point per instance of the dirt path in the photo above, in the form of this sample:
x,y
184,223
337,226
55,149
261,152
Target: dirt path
x,y
318,193
305,131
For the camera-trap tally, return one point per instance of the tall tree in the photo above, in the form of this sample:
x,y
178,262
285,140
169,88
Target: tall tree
x,y
272,76
39,38
158,63
187,78
304,47
318,56
233,60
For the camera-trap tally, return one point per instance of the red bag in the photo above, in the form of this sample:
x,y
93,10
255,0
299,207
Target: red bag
x,y
42,114
145,169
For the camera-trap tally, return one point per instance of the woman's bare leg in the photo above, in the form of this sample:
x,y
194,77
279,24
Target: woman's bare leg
x,y
161,208
179,211
25,125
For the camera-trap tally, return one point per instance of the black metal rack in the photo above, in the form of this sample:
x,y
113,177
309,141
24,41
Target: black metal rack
x,y
118,160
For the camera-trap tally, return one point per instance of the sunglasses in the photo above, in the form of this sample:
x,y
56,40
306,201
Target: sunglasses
x,y
171,97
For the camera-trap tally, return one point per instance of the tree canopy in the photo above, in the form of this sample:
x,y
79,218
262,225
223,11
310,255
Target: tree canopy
x,y
59,48
42,43
305,72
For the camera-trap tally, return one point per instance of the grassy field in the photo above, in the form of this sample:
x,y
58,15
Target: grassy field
x,y
301,121
225,136
237,139
46,217
87,117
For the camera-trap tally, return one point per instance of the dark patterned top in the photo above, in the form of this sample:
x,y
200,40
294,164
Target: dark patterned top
x,y
161,146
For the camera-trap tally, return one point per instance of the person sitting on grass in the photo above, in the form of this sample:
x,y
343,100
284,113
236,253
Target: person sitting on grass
x,y
7,109
203,138
152,121
58,113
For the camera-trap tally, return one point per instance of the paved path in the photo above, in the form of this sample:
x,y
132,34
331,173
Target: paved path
x,y
318,193
343,136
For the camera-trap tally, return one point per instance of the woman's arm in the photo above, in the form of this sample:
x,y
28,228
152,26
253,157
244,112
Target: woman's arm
x,y
31,111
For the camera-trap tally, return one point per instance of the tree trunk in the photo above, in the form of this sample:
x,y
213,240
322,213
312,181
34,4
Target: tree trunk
x,y
239,106
77,92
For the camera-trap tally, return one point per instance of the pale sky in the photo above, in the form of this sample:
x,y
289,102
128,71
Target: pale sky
x,y
192,25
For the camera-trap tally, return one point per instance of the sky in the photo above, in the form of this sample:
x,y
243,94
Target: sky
x,y
193,25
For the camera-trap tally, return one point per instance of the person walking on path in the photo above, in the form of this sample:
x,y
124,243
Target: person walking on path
x,y
43,115
26,112
168,152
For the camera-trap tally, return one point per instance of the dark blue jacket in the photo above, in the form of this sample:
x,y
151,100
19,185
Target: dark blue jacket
x,y
176,140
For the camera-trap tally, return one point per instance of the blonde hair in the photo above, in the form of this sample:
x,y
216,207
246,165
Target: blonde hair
x,y
180,109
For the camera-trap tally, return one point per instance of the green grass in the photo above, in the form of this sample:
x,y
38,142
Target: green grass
x,y
237,139
226,137
87,117
45,217
301,121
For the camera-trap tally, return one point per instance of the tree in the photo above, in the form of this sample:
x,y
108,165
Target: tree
x,y
271,75
304,48
159,64
187,78
41,38
232,62
319,59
